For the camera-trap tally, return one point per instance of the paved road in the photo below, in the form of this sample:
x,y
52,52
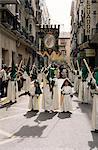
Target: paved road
x,y
22,130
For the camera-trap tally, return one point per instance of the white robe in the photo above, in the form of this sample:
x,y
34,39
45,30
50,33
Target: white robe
x,y
55,102
12,91
89,91
32,92
46,100
9,91
95,112
80,94
85,94
76,84
67,100
34,103
26,84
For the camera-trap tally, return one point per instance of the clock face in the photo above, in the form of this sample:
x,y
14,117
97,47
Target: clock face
x,y
49,41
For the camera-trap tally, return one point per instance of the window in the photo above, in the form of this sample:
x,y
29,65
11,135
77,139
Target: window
x,y
30,28
93,1
81,1
94,12
26,23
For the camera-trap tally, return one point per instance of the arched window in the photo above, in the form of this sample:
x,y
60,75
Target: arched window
x,y
30,28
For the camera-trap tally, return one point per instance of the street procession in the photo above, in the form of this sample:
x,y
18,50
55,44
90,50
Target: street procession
x,y
35,83
48,75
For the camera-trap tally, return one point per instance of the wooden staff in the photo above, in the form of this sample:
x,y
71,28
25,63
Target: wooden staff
x,y
78,66
19,67
72,65
89,71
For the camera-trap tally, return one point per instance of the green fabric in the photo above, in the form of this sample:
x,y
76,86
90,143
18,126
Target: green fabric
x,y
51,72
28,67
13,73
84,73
96,77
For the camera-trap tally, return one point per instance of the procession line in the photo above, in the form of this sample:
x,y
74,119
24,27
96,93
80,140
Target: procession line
x,y
10,117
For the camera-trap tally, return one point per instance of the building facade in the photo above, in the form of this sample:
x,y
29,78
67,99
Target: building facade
x,y
84,18
19,30
45,17
64,46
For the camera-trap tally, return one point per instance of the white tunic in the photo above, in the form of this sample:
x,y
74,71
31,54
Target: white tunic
x,y
80,94
95,112
67,100
46,100
26,84
32,92
34,103
89,90
55,103
76,84
12,90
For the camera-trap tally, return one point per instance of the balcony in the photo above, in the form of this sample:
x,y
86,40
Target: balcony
x,y
7,18
27,37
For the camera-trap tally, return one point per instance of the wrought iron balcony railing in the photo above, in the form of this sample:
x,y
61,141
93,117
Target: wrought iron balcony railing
x,y
7,18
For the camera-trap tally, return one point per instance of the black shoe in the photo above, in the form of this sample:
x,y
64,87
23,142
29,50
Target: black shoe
x,y
46,111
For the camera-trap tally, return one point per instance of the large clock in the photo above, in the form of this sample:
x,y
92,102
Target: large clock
x,y
49,41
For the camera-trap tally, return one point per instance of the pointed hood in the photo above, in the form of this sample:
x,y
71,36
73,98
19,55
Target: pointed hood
x,y
70,83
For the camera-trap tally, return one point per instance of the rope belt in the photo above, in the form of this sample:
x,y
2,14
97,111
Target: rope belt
x,y
66,93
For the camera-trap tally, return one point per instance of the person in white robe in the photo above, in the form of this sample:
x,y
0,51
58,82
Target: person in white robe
x,y
26,83
55,100
66,96
3,87
34,98
46,100
89,90
95,112
76,81
84,84
12,90
31,96
9,88
80,93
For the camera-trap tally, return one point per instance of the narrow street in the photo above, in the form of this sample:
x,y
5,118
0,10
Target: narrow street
x,y
20,129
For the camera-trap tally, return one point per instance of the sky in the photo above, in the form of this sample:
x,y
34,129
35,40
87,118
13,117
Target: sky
x,y
59,11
